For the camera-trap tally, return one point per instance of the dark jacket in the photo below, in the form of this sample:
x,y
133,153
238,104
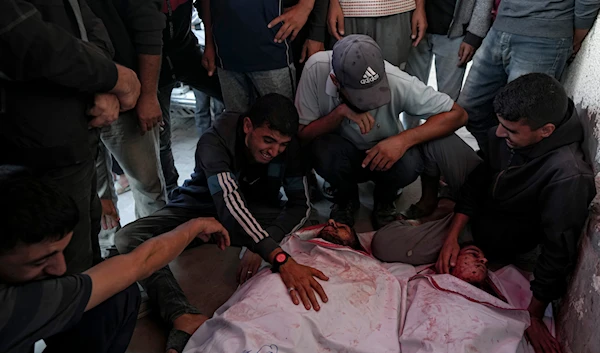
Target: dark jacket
x,y
134,26
225,179
49,77
520,198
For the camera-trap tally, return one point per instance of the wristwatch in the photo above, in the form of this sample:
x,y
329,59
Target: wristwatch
x,y
279,259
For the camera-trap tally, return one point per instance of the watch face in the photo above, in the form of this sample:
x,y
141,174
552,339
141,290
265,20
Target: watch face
x,y
280,257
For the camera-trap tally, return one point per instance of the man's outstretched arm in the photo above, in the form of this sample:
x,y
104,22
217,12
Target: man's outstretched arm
x,y
119,272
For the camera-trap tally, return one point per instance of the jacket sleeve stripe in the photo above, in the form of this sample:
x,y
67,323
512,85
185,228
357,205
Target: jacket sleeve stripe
x,y
237,208
248,215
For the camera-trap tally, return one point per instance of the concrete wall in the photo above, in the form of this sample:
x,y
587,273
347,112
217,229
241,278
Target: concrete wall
x,y
579,313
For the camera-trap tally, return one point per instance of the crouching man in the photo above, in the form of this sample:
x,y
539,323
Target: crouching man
x,y
95,311
532,189
241,164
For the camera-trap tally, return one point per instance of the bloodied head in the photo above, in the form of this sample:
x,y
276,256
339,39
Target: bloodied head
x,y
470,265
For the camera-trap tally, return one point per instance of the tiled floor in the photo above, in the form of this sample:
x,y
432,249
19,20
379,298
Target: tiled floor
x,y
207,275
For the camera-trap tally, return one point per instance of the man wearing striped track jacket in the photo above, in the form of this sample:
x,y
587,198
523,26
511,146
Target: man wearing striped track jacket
x,y
241,164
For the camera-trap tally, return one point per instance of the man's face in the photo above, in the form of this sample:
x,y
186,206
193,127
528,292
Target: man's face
x,y
470,265
341,234
344,97
518,134
264,144
28,262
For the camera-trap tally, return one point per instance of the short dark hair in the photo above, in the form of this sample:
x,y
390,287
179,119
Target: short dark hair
x,y
277,112
32,211
536,98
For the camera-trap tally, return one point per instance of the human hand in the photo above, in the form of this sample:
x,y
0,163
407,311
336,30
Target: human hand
x,y
300,281
447,258
209,228
127,88
465,53
540,338
418,25
248,267
148,111
309,48
208,59
335,19
110,217
293,20
385,154
365,121
105,110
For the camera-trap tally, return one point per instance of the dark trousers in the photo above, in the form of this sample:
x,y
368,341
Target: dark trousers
x,y
182,64
106,328
339,162
162,288
79,182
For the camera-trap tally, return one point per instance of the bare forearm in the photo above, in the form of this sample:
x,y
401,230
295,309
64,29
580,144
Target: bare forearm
x,y
459,222
436,126
119,272
420,4
149,71
322,126
207,20
537,308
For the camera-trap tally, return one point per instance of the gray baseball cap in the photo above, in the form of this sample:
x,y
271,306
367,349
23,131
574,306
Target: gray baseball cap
x,y
359,68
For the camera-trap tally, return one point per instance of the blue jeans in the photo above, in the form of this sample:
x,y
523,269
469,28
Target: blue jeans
x,y
449,75
208,109
502,58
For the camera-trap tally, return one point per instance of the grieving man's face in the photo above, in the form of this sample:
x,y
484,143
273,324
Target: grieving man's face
x,y
470,265
29,262
263,143
341,234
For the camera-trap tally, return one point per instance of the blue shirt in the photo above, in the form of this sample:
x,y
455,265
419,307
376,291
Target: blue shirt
x,y
243,42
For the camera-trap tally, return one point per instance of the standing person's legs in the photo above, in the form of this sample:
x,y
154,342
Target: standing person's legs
x,y
107,194
166,153
418,65
78,181
449,74
138,155
162,288
420,60
237,90
106,328
282,81
392,34
486,77
202,114
535,54
216,109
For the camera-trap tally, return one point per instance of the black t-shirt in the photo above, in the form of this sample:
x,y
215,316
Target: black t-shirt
x,y
439,15
40,309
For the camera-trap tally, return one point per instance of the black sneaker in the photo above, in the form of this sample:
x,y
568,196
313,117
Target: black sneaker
x,y
344,213
384,213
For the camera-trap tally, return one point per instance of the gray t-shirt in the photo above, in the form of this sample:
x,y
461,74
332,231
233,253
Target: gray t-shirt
x,y
317,96
40,309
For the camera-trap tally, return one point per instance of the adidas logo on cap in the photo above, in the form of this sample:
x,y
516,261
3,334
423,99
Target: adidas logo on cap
x,y
369,76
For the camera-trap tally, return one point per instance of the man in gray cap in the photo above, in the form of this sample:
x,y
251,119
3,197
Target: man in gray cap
x,y
349,101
